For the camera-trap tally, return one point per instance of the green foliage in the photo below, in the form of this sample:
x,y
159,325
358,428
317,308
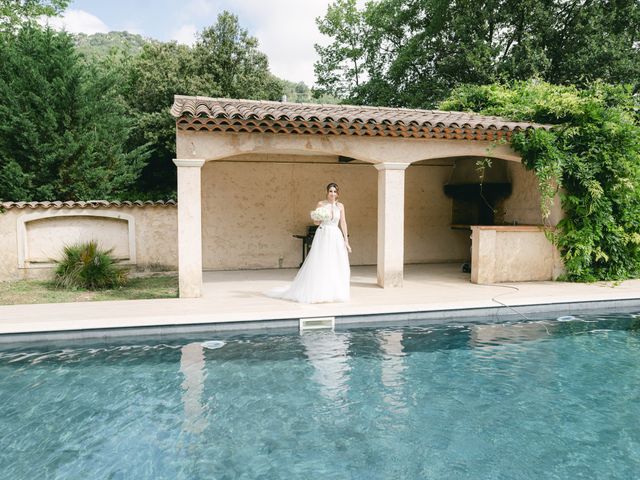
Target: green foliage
x,y
411,53
101,45
229,60
341,67
65,128
17,13
299,92
224,62
592,154
86,266
149,82
93,122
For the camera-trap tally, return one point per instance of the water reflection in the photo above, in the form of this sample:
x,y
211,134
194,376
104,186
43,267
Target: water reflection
x,y
328,353
192,367
507,333
393,369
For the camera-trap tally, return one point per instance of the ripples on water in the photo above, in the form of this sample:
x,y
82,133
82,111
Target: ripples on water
x,y
541,399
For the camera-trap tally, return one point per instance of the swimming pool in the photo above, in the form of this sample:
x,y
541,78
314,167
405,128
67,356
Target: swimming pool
x,y
541,399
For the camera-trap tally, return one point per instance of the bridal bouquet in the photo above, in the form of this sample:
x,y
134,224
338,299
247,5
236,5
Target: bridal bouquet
x,y
321,214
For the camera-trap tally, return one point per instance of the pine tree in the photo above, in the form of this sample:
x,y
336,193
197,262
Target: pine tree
x,y
64,130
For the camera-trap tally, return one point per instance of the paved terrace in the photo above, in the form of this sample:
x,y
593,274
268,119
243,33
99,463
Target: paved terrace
x,y
235,300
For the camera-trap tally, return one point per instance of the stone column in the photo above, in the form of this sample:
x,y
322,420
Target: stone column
x,y
390,223
189,228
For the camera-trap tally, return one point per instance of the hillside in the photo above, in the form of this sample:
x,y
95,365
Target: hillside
x,y
100,44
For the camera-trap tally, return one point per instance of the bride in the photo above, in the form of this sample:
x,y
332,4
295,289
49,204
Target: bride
x,y
324,275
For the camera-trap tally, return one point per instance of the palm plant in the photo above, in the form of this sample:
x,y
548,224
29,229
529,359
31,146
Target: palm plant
x,y
86,265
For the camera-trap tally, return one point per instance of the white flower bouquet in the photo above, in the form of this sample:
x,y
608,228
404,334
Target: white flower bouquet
x,y
320,214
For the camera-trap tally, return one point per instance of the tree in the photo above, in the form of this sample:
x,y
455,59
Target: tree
x,y
413,52
16,13
100,45
341,68
225,62
299,92
149,83
230,60
65,129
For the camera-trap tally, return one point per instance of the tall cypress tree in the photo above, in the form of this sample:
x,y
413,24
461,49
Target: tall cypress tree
x,y
64,130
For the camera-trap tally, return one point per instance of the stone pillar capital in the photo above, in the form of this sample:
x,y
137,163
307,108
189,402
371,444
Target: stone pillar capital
x,y
391,166
189,162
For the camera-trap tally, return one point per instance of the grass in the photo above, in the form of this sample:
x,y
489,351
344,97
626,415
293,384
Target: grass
x,y
39,291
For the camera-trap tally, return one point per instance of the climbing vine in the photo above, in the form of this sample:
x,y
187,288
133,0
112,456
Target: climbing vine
x,y
590,156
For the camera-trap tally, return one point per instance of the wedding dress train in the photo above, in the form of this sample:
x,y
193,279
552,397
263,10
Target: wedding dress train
x,y
324,276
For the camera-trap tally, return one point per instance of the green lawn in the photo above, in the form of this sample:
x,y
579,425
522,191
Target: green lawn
x,y
38,291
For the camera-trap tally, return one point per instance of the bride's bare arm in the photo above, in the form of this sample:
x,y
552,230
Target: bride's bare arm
x,y
343,227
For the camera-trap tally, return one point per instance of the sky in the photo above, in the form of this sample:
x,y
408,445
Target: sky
x,y
285,29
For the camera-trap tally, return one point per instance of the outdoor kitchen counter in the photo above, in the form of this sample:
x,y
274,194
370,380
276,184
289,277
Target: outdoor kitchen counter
x,y
512,253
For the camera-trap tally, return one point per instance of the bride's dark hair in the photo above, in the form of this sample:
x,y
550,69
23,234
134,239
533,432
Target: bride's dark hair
x,y
335,185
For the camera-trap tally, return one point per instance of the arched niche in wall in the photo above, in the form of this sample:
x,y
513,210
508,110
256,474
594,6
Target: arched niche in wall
x,y
43,235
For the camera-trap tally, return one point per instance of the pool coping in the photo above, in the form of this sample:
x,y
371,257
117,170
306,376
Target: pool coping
x,y
492,314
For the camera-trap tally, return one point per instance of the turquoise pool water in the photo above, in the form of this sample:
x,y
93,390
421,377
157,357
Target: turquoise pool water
x,y
533,400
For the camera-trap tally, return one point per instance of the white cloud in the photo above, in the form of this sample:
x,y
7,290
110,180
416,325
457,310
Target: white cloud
x,y
285,29
287,32
78,21
199,8
185,34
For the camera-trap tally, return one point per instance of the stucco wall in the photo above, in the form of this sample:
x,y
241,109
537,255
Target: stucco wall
x,y
46,237
513,254
9,247
31,237
252,208
523,206
428,234
157,237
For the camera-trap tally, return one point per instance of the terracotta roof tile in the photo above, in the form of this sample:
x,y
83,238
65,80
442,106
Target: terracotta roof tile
x,y
222,114
88,204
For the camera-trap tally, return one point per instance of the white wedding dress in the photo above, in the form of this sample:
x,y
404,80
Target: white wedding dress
x,y
324,276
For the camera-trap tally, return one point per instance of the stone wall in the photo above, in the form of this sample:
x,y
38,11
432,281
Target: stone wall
x,y
32,235
253,205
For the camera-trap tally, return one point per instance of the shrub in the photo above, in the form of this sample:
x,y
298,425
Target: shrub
x,y
593,153
85,265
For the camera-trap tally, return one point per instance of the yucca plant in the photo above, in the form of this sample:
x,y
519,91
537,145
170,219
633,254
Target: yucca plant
x,y
85,265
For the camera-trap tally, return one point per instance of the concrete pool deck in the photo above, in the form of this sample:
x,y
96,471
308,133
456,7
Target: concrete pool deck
x,y
235,300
